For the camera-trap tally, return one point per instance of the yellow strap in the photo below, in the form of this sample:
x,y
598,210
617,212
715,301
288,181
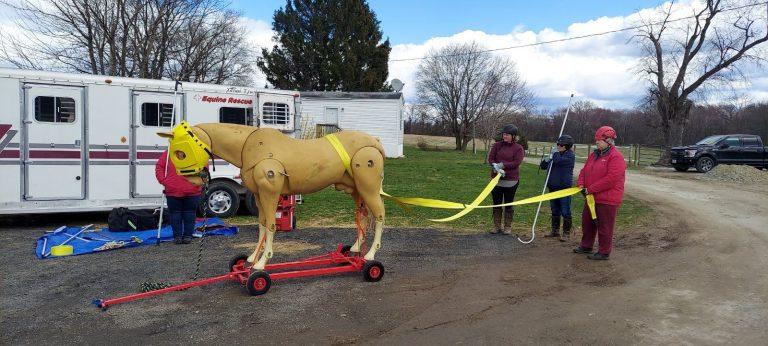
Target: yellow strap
x,y
440,204
474,203
343,155
591,205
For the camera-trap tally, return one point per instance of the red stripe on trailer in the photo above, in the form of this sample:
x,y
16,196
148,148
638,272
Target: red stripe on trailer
x,y
53,154
9,154
4,129
108,155
147,155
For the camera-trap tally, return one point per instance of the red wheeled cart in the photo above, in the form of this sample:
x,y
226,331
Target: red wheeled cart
x,y
259,282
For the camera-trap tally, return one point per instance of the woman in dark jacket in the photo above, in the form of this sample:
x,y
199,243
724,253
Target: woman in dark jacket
x,y
560,177
183,199
505,158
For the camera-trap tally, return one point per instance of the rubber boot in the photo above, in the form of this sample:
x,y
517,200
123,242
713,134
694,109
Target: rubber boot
x,y
496,221
555,227
567,223
509,213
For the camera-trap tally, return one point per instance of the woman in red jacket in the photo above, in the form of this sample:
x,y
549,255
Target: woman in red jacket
x,y
603,177
183,199
505,158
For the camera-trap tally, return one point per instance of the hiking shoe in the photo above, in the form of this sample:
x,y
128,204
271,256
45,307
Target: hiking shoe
x,y
495,231
552,234
178,240
187,240
565,237
597,256
506,232
582,250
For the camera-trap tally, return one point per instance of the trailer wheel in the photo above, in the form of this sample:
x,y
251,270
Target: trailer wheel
x,y
221,200
250,203
237,262
258,283
373,271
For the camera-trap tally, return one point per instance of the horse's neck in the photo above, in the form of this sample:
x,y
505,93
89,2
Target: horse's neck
x,y
228,146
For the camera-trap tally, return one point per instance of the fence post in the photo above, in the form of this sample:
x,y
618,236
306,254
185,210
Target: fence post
x,y
637,156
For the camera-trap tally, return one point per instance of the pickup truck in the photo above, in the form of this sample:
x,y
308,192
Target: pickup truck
x,y
720,149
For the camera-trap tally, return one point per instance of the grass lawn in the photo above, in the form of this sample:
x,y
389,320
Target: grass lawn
x,y
446,175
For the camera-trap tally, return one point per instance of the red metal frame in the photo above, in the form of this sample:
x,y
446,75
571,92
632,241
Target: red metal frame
x,y
286,206
328,264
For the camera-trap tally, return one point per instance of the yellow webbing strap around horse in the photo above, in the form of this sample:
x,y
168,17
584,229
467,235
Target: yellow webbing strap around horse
x,y
465,208
341,151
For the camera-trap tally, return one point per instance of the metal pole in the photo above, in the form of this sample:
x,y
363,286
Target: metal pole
x,y
546,181
167,156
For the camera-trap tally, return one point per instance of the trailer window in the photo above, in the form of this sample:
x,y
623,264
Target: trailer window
x,y
232,115
275,113
54,109
157,114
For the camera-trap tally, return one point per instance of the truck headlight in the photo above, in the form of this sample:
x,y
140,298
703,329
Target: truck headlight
x,y
690,153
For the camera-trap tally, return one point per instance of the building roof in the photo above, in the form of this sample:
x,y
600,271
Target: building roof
x,y
351,95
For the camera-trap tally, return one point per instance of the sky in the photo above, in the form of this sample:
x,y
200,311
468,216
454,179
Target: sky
x,y
601,69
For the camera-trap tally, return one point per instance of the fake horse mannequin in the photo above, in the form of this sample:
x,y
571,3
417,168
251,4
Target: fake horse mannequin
x,y
273,164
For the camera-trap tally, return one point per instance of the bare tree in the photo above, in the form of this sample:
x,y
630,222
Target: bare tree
x,y
189,40
463,83
684,56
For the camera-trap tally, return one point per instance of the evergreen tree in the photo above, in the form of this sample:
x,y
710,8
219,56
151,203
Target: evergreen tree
x,y
327,45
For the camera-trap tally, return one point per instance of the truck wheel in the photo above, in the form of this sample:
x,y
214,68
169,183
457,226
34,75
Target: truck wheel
x,y
681,168
705,164
250,203
221,200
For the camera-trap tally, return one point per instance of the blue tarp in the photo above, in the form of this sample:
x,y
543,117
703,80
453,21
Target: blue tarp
x,y
90,242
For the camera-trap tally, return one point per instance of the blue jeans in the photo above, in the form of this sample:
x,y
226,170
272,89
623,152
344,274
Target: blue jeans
x,y
182,212
560,206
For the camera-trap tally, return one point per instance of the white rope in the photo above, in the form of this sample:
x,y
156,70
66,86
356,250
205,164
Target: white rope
x,y
546,181
167,156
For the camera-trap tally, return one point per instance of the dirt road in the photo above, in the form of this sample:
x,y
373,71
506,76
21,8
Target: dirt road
x,y
694,275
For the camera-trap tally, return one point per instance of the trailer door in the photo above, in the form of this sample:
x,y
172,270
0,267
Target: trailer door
x,y
152,113
53,149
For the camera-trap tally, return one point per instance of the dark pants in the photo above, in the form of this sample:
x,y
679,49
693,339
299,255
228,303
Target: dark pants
x,y
504,195
182,211
606,217
560,206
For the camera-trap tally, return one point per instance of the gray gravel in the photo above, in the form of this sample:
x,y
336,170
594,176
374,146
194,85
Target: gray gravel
x,y
736,174
47,300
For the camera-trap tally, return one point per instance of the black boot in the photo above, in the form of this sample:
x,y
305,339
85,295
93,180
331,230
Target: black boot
x,y
555,227
567,223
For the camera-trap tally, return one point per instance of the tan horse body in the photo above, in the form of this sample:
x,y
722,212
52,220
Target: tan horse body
x,y
273,164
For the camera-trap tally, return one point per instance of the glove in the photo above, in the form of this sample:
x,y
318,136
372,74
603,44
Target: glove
x,y
499,168
584,191
548,158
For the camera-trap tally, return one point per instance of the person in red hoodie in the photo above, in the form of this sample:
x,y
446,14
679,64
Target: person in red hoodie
x,y
183,199
505,158
603,177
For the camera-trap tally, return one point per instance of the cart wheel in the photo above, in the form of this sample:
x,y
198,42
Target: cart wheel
x,y
237,262
259,283
373,271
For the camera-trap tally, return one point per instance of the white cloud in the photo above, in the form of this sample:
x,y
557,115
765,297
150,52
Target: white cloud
x,y
259,35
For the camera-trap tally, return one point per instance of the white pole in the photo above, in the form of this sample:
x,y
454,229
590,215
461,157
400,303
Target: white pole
x,y
546,181
167,156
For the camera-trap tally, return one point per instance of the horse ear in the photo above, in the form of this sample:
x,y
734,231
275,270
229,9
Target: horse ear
x,y
165,134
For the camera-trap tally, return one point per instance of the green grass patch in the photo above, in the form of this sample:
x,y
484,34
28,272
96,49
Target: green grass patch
x,y
446,175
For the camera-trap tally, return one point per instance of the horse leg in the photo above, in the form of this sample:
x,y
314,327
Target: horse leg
x,y
368,169
262,234
360,236
270,185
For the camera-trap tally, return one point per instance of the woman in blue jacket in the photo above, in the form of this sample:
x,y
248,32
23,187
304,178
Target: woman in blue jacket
x,y
560,177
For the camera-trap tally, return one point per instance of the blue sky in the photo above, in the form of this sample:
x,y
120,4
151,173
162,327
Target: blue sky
x,y
419,20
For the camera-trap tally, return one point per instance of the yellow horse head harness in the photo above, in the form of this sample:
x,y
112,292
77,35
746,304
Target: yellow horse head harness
x,y
189,154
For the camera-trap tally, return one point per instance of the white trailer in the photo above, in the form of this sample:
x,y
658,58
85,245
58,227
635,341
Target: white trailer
x,y
377,113
71,142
